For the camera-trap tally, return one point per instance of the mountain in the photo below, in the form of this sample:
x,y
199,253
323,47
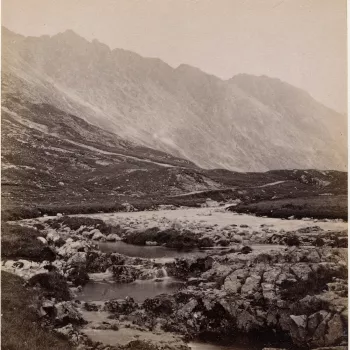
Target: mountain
x,y
50,157
246,123
55,162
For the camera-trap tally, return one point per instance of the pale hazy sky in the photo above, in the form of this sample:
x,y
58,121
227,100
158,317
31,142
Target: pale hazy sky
x,y
302,42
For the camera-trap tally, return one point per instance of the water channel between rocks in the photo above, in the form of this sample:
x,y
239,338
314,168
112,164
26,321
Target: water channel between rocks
x,y
102,287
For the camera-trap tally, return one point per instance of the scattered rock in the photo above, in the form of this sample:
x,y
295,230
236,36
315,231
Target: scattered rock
x,y
246,250
112,237
42,240
97,235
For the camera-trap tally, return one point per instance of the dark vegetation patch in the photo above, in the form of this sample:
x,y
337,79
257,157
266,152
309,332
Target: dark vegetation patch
x,y
292,240
319,207
94,206
19,242
19,213
52,285
74,223
170,238
320,238
20,328
95,200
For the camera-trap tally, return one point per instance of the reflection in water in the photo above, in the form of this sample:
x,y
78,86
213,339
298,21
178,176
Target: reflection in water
x,y
207,346
138,290
238,345
156,252
150,252
103,287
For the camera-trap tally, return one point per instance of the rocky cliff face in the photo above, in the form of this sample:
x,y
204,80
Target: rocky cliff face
x,y
246,123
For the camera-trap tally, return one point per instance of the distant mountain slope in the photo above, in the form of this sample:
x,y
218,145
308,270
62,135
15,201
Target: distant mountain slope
x,y
60,163
246,123
52,157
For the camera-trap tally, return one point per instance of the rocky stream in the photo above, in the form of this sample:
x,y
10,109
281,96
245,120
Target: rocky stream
x,y
192,279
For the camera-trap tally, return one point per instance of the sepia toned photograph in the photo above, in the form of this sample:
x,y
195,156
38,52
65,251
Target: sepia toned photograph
x,y
174,175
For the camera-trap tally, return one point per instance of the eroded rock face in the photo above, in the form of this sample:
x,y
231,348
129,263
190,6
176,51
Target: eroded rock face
x,y
233,282
288,291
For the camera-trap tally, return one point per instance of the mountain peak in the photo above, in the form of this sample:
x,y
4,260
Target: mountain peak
x,y
194,71
183,67
69,36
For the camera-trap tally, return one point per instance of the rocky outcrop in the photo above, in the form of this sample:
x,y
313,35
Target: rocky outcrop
x,y
184,268
296,292
121,306
77,274
313,236
100,262
172,238
300,292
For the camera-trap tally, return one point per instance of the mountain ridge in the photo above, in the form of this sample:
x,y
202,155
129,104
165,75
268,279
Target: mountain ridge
x,y
215,123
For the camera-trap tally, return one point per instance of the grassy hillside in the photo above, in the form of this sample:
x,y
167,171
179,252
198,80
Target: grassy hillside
x,y
330,207
20,326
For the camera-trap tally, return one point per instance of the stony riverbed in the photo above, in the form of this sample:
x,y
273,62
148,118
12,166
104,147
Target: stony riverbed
x,y
176,278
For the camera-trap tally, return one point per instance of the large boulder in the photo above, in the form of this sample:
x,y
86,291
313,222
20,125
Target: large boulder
x,y
112,237
77,258
66,313
97,235
121,306
251,285
71,247
162,304
77,274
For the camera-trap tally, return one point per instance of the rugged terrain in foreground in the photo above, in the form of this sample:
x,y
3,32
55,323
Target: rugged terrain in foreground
x,y
252,281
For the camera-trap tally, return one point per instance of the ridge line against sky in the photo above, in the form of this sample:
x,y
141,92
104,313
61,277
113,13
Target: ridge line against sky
x,y
157,58
301,42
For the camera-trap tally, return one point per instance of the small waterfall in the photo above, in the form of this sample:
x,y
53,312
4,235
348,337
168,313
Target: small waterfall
x,y
161,273
164,271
